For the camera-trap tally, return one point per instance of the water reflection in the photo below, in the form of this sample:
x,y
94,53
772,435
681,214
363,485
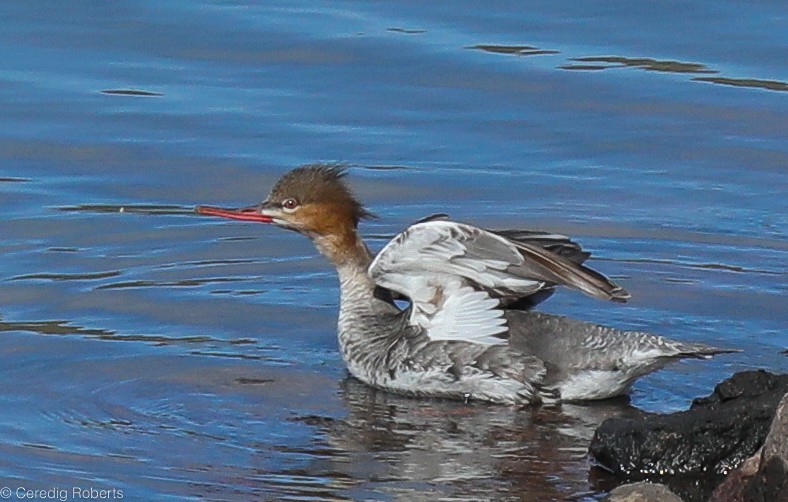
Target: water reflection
x,y
407,448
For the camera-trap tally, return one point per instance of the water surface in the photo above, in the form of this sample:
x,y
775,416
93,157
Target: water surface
x,y
172,357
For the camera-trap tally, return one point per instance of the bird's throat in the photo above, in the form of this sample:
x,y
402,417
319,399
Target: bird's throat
x,y
344,249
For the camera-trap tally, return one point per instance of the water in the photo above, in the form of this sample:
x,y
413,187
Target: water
x,y
170,356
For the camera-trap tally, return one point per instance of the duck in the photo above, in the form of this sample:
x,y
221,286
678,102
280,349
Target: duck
x,y
446,309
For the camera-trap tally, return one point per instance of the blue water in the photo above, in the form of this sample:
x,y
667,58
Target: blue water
x,y
172,357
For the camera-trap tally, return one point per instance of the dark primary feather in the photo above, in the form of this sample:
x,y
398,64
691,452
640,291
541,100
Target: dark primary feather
x,y
561,264
553,268
558,244
539,264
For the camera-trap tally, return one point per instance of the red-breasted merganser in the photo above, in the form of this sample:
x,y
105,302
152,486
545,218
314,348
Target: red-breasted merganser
x,y
467,332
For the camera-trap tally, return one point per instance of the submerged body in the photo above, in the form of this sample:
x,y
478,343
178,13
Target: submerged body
x,y
467,332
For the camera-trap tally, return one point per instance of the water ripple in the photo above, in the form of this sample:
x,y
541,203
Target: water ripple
x,y
594,63
648,64
513,50
708,266
131,92
184,283
770,85
61,328
407,31
170,209
46,276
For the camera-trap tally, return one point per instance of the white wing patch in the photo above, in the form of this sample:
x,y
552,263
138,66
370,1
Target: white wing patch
x,y
447,308
468,315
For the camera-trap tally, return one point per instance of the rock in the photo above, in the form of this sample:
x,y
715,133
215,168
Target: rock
x,y
732,488
764,476
642,492
776,446
695,447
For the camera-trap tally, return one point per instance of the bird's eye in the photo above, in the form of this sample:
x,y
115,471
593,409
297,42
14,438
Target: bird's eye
x,y
290,205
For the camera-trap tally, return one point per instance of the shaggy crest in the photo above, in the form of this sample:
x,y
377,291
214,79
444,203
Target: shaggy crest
x,y
319,183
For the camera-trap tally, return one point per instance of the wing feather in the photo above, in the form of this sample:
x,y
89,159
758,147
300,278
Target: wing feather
x,y
557,243
508,269
542,264
457,276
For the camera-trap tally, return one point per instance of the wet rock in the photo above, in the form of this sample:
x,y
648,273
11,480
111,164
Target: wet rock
x,y
642,492
764,476
716,435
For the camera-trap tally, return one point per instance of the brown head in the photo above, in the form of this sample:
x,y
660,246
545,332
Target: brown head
x,y
313,200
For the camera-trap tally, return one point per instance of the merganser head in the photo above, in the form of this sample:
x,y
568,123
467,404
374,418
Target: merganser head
x,y
313,200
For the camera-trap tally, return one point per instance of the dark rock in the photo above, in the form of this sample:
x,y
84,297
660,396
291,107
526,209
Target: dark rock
x,y
733,487
642,492
703,444
764,476
776,445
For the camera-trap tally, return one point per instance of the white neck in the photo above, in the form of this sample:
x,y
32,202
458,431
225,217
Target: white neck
x,y
365,322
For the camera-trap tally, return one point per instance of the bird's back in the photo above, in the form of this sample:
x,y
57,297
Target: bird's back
x,y
584,358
